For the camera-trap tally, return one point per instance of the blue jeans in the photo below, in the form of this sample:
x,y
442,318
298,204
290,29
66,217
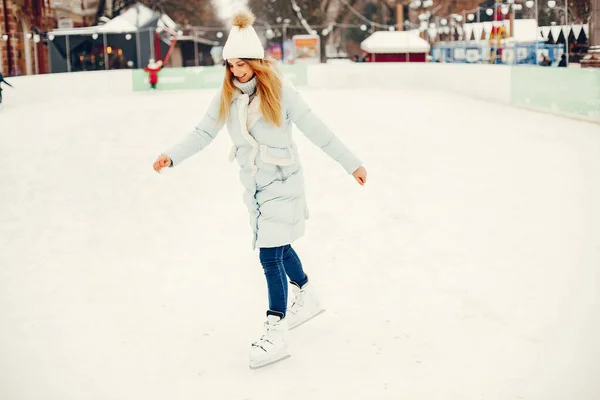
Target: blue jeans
x,y
277,262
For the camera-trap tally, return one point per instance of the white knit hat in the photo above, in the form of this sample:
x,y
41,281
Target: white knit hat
x,y
243,42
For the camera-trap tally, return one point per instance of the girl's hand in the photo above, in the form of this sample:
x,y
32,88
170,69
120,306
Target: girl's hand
x,y
162,162
360,175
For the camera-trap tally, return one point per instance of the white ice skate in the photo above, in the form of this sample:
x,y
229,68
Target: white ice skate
x,y
272,346
305,306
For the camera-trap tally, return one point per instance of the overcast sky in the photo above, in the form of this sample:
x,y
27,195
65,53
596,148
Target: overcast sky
x,y
227,7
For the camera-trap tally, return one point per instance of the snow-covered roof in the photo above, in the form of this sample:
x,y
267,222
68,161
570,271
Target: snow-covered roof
x,y
117,25
74,31
166,21
137,16
395,42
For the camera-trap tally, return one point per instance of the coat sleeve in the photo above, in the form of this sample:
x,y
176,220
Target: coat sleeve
x,y
316,131
202,135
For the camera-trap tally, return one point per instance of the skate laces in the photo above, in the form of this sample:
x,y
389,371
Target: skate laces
x,y
265,338
298,302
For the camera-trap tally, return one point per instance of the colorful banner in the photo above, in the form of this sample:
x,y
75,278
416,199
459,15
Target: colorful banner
x,y
483,53
274,51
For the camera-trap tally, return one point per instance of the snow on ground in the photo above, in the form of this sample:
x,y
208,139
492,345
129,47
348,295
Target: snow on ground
x,y
466,268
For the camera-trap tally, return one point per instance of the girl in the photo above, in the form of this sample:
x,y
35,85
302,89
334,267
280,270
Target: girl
x,y
259,108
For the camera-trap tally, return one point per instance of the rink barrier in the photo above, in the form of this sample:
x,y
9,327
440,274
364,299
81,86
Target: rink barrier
x,y
66,87
565,91
562,91
570,92
201,77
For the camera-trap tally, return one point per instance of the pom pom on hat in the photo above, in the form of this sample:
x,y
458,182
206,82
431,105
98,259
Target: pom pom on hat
x,y
243,42
243,19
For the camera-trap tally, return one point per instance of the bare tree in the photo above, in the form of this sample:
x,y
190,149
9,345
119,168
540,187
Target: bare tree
x,y
184,12
581,10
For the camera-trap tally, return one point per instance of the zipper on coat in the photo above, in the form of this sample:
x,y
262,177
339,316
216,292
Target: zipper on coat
x,y
280,170
233,153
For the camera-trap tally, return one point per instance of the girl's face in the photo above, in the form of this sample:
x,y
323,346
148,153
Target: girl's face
x,y
240,69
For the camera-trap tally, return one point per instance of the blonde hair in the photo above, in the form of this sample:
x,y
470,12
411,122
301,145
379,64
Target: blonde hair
x,y
268,87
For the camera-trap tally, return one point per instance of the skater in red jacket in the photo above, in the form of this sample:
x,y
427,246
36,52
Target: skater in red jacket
x,y
153,68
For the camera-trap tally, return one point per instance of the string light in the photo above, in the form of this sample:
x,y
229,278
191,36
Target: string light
x,y
301,18
362,17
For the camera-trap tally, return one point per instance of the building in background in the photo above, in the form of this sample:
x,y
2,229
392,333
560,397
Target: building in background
x,y
74,13
395,46
128,41
22,48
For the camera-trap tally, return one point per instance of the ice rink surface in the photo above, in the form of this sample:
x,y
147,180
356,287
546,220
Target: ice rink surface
x,y
468,267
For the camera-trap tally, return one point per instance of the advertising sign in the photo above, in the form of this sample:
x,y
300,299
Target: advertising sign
x,y
307,49
459,53
473,56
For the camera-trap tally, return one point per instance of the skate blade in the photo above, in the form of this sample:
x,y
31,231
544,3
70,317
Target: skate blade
x,y
306,320
265,363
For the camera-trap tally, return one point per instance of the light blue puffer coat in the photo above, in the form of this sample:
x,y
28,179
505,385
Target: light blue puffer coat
x,y
270,168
